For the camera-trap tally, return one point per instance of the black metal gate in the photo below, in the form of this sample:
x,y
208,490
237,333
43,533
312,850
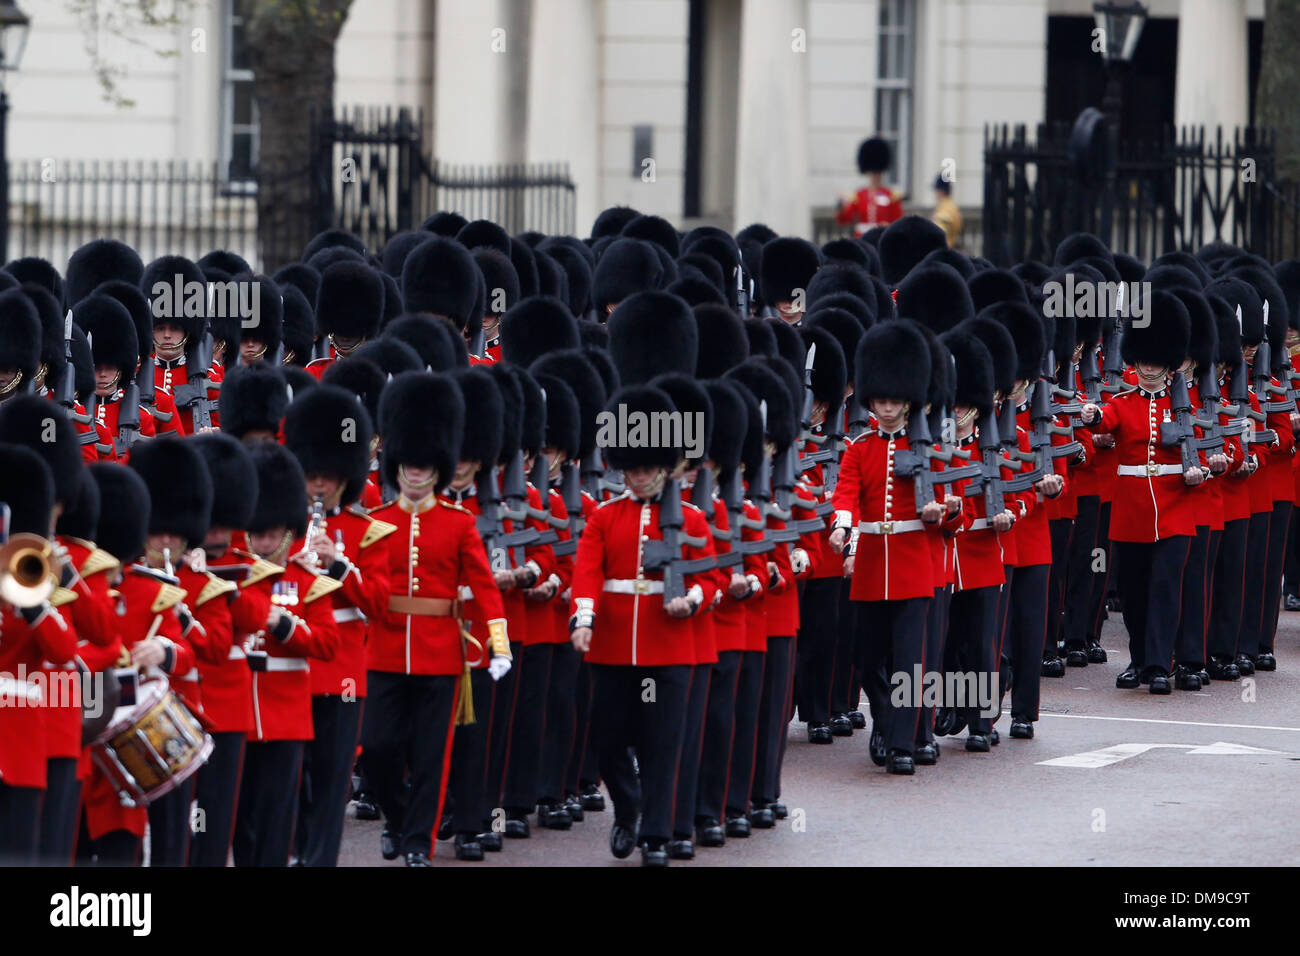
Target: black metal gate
x,y
1181,190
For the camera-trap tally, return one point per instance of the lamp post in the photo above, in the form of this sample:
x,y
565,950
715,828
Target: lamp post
x,y
13,41
1121,26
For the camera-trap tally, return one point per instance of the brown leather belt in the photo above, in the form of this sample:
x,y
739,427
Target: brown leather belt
x,y
424,607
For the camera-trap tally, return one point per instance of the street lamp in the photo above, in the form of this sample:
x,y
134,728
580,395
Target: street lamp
x,y
14,25
1121,27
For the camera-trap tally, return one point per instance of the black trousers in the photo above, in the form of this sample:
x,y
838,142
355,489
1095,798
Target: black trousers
x,y
846,693
1101,582
892,636
936,638
819,613
1189,648
327,778
469,755
1279,526
503,712
20,823
1080,570
581,771
719,730
1228,590
1004,605
1291,562
58,835
268,799
1026,625
1151,587
217,791
744,740
528,729
1253,585
649,719
1061,532
169,827
773,719
409,718
972,637
688,767
558,739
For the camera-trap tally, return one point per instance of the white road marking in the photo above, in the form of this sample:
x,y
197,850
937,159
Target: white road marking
x,y
1094,759
1180,723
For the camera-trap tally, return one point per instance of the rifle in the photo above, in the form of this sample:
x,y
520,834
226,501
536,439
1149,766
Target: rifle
x,y
66,391
742,287
514,489
1090,375
666,555
1241,411
1262,376
1040,437
194,393
1182,430
734,499
540,478
989,480
702,491
915,461
856,419
128,419
490,528
1113,368
571,494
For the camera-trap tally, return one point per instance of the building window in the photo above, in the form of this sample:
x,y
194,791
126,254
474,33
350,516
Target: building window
x,y
894,60
239,137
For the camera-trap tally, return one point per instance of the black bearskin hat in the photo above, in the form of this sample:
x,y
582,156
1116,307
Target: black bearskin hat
x,y
332,255
847,250
845,327
756,232
536,326
652,333
512,409
108,325
905,243
525,263
360,376
633,402
575,368
79,518
53,351
422,419
627,267
723,342
83,365
1287,274
500,279
329,430
224,261
996,285
770,386
1028,333
1002,350
350,301
953,259
694,289
485,411
1203,340
873,155
862,310
762,340
42,426
691,400
124,527
21,336
593,333
180,488
936,296
253,398
440,347
39,272
838,278
393,356
333,238
445,224
563,427
577,271
138,306
974,384
611,221
787,265
750,426
1163,338
1078,245
159,283
657,229
398,248
1168,277
484,233
533,424
281,490
893,362
830,374
303,278
298,331
234,479
98,261
730,422
1227,333
1237,292
269,329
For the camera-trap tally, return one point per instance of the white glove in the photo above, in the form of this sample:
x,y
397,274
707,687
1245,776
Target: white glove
x,y
798,560
499,667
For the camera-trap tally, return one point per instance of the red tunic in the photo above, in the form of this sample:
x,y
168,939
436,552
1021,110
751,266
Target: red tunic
x,y
872,206
24,691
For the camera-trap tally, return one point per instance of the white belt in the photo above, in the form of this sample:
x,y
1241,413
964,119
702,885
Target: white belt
x,y
466,593
192,676
624,586
344,614
287,664
979,524
890,527
69,666
236,653
1149,470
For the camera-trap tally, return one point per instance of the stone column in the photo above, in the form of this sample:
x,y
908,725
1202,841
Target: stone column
x,y
1212,66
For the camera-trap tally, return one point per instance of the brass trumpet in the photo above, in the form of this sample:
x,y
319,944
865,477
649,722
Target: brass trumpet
x,y
26,579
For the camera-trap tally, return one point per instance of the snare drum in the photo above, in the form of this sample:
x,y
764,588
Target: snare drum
x,y
151,747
